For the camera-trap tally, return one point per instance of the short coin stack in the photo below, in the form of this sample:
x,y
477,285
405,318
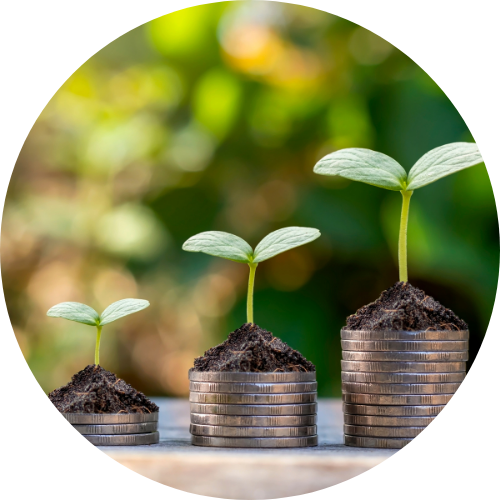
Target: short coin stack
x,y
116,429
253,409
394,383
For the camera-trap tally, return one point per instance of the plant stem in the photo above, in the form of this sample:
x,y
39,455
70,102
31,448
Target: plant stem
x,y
97,345
251,280
403,230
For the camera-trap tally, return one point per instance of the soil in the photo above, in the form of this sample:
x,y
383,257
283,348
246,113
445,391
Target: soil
x,y
252,349
405,307
95,390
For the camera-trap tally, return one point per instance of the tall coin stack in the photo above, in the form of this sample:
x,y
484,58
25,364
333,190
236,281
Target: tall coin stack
x,y
395,383
116,429
253,410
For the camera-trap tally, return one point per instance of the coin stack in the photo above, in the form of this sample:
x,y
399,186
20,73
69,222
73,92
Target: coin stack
x,y
253,410
116,429
395,383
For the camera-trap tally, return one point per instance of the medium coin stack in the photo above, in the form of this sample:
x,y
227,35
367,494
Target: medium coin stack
x,y
116,429
253,410
395,383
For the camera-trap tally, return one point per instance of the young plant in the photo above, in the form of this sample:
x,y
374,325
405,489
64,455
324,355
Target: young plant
x,y
231,247
379,170
81,313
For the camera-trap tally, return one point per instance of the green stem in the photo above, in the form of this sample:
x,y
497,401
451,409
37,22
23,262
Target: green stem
x,y
97,344
403,230
251,280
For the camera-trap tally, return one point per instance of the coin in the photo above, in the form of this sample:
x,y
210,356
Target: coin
x,y
402,378
285,442
248,421
370,442
262,377
404,345
396,399
252,432
266,410
405,356
252,399
123,439
395,411
390,432
399,388
404,335
117,428
387,421
252,388
110,418
401,367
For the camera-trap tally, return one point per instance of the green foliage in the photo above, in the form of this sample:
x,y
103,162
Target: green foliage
x,y
364,165
441,162
231,247
379,170
75,311
81,313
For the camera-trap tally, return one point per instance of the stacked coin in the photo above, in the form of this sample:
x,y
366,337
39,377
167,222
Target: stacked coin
x,y
253,410
116,429
395,383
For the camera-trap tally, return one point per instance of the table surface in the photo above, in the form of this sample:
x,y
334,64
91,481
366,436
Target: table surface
x,y
247,473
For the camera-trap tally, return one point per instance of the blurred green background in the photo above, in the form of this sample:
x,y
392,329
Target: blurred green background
x,y
212,118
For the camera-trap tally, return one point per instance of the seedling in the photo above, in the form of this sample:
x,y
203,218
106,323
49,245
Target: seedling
x,y
81,313
379,170
231,247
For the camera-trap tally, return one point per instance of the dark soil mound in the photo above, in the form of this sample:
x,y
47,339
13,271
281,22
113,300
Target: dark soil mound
x,y
252,349
95,390
405,307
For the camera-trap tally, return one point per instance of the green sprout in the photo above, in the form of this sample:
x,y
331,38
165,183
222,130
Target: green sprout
x,y
231,247
81,313
379,170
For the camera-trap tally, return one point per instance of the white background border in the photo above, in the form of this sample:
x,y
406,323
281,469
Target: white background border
x,y
44,41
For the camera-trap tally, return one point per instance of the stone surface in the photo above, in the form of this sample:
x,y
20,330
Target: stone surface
x,y
247,473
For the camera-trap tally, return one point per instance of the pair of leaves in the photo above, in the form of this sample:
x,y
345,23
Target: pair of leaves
x,y
380,170
81,313
231,247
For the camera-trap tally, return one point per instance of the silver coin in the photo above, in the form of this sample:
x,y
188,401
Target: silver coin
x,y
110,418
370,442
405,356
389,432
404,345
387,421
402,378
396,399
256,421
401,367
117,428
263,377
252,399
402,335
266,410
123,439
252,432
252,388
400,388
394,411
285,442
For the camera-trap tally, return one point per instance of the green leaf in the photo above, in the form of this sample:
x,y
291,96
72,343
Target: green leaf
x,y
75,311
122,308
282,240
220,244
364,165
443,161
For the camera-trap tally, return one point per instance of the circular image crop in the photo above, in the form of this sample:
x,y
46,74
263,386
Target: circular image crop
x,y
228,175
